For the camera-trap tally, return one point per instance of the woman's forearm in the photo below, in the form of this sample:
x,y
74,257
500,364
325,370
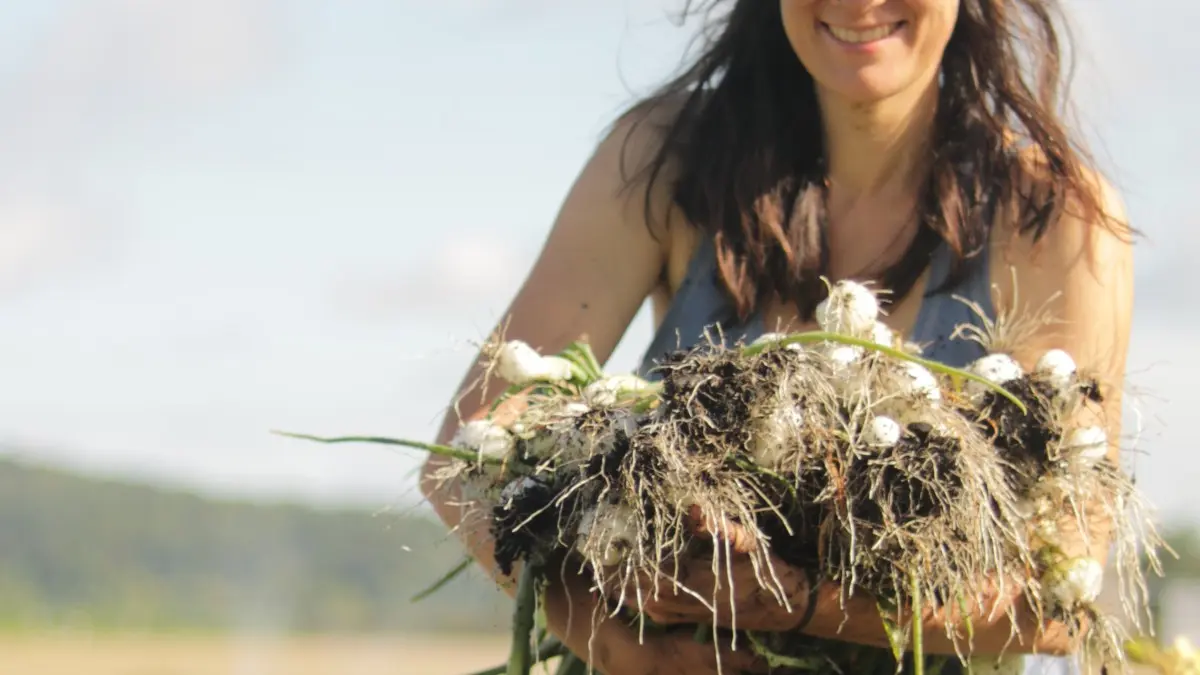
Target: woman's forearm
x,y
570,607
1003,624
445,494
1003,621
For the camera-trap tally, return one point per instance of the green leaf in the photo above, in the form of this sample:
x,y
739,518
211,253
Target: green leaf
x,y
581,355
957,375
645,403
445,579
774,660
590,358
519,658
918,628
962,605
895,633
571,665
431,448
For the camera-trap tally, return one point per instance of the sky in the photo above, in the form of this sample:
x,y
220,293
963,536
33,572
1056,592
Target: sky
x,y
222,218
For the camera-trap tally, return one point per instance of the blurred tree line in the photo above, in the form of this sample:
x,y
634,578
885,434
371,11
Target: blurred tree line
x,y
78,552
1185,541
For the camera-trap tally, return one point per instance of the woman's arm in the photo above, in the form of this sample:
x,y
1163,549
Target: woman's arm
x,y
598,265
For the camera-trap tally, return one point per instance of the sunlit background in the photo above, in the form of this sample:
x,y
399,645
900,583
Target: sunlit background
x,y
224,217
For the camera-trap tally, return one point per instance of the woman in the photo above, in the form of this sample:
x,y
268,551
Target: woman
x,y
897,141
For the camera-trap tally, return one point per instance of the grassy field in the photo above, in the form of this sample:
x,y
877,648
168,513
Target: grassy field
x,y
131,655
125,655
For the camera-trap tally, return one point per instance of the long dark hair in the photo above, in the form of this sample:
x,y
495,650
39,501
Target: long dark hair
x,y
745,145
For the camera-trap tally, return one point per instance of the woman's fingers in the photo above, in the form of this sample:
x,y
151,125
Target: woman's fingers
x,y
679,654
725,588
668,599
735,594
681,582
740,539
616,648
696,657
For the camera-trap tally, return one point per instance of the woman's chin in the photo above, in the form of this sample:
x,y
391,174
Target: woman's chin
x,y
859,95
865,87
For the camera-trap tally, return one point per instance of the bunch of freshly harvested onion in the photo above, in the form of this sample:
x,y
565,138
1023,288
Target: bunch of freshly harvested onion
x,y
841,451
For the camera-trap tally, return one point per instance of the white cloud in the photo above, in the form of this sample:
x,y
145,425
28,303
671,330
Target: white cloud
x,y
467,274
149,51
41,236
100,70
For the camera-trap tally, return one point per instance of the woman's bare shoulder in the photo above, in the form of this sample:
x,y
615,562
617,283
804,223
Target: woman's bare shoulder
x,y
1080,270
599,263
649,180
646,171
1090,234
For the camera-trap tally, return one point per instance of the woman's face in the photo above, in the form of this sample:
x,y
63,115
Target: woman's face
x,y
868,50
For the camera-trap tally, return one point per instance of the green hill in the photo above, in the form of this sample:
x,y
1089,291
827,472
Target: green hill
x,y
84,552
77,551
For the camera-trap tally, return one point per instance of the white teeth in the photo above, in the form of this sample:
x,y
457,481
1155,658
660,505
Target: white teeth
x,y
861,36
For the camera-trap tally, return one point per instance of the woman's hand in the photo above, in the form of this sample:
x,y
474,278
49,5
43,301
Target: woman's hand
x,y
727,590
675,653
824,612
734,596
614,648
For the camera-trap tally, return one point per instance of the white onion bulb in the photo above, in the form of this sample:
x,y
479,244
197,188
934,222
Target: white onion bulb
x,y
850,309
1088,444
1037,509
490,440
845,366
882,335
609,525
919,383
1056,368
572,409
609,390
1075,582
1034,504
772,339
997,368
1185,654
917,391
520,364
777,436
881,432
843,360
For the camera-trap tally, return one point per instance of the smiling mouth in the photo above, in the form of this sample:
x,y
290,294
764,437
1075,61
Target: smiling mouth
x,y
863,36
